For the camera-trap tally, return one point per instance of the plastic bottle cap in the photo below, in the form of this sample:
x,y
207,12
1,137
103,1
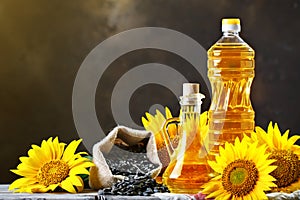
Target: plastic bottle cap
x,y
190,88
231,24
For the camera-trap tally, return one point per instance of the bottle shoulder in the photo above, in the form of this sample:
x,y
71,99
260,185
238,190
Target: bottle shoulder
x,y
234,46
231,47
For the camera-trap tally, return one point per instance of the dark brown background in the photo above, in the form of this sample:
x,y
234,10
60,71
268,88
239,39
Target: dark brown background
x,y
43,43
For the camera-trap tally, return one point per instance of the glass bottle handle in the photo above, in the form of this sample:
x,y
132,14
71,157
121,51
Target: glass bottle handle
x,y
167,136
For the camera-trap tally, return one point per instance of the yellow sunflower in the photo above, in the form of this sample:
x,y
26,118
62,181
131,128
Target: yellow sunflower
x,y
243,173
51,166
155,123
286,154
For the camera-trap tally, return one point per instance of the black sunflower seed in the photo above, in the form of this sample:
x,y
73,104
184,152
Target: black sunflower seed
x,y
135,185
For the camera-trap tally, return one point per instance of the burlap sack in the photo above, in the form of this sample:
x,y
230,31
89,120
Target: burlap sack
x,y
100,174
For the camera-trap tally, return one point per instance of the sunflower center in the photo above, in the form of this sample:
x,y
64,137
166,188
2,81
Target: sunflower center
x,y
240,177
287,170
53,172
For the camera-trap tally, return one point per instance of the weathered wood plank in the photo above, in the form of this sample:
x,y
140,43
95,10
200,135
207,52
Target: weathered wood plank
x,y
93,195
85,195
111,197
7,195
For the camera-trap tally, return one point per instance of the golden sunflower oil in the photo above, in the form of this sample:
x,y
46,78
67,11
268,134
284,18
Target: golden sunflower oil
x,y
194,171
188,169
231,72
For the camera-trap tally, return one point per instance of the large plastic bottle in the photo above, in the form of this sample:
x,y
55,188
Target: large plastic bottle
x,y
231,72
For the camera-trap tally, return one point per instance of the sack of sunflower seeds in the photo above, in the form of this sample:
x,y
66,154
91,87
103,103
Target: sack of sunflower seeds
x,y
123,152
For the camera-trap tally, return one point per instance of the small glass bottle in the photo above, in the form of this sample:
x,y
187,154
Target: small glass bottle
x,y
188,169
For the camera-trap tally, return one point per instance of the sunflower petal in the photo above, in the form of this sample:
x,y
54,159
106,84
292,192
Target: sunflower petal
x,y
168,113
21,182
70,150
78,161
76,180
52,187
78,184
78,170
67,185
215,166
145,123
293,139
160,116
149,117
23,172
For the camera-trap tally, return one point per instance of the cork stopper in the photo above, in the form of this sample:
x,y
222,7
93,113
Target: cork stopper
x,y
190,88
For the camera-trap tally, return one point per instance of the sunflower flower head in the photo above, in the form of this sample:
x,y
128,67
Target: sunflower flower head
x,y
286,153
50,166
155,123
242,173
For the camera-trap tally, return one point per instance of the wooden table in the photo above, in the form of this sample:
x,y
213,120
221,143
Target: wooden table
x,y
85,195
93,195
